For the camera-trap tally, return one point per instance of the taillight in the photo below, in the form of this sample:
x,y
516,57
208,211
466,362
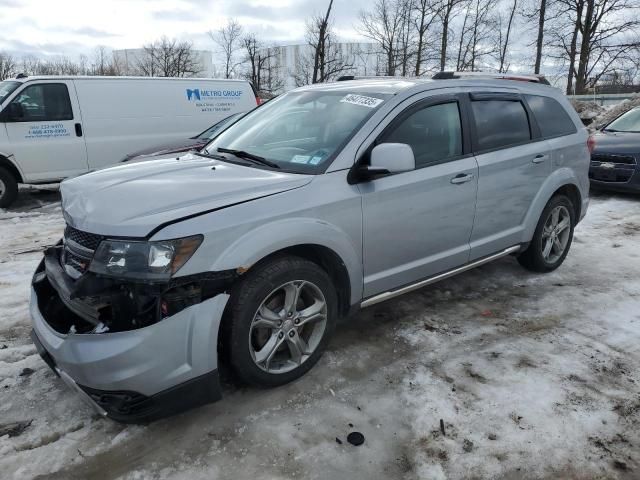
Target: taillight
x,y
258,101
591,143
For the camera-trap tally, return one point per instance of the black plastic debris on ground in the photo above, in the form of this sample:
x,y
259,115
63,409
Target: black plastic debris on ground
x,y
26,372
355,438
14,429
338,441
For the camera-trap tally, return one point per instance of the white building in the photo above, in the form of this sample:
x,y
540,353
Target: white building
x,y
362,59
129,59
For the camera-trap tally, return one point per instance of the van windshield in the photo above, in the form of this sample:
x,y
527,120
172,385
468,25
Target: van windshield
x,y
7,88
299,131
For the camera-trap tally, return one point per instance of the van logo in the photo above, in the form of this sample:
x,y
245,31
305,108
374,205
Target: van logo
x,y
607,165
193,94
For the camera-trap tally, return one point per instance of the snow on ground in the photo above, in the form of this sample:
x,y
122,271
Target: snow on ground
x,y
533,376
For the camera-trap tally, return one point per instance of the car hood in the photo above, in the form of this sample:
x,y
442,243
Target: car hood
x,y
131,200
172,147
617,142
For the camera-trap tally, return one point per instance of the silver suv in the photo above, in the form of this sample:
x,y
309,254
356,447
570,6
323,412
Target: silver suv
x,y
328,199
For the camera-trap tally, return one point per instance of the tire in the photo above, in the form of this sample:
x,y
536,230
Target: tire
x,y
258,320
534,258
8,188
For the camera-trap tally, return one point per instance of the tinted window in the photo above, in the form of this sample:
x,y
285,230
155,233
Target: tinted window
x,y
433,133
500,123
44,102
552,119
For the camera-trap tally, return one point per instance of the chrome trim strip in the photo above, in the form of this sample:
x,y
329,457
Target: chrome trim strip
x,y
78,249
441,276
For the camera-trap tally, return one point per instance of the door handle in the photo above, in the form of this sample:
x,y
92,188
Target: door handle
x,y
78,130
540,158
462,178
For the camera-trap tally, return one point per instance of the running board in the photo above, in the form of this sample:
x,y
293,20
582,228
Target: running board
x,y
441,276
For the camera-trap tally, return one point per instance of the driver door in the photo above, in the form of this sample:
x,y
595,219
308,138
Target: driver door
x,y
45,131
418,223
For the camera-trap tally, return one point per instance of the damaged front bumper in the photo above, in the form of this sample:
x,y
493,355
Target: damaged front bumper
x,y
136,352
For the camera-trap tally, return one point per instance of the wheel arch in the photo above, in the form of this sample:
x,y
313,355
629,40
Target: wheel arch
x,y
11,167
562,181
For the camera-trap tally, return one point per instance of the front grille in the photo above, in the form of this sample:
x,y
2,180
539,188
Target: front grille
x,y
612,158
84,239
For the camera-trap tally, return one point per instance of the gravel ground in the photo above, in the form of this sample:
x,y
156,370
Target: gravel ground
x,y
497,373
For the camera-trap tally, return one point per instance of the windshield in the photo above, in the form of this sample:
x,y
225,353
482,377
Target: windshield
x,y
212,131
7,88
300,131
627,122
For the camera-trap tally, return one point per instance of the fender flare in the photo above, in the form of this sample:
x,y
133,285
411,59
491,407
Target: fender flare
x,y
558,179
272,237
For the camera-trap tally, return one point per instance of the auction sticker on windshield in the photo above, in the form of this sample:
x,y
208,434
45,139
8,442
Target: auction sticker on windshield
x,y
370,102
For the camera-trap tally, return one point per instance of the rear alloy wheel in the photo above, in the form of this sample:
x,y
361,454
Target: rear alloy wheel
x,y
552,238
280,320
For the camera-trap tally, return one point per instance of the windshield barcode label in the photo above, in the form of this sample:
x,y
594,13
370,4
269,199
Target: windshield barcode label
x,y
361,100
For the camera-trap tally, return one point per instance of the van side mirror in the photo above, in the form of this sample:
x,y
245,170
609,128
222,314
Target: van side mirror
x,y
13,112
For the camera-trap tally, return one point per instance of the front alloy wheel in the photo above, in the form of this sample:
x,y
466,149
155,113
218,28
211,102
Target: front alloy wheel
x,y
279,321
288,326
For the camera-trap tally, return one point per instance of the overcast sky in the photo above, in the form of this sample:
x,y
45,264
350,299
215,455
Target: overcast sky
x,y
72,27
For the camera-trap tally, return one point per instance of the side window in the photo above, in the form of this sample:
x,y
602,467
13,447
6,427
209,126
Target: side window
x,y
500,123
433,133
552,119
43,102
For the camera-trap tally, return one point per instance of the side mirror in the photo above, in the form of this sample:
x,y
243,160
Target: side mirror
x,y
13,112
392,158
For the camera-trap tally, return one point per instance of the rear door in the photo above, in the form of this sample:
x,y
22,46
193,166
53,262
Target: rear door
x,y
513,163
418,223
44,129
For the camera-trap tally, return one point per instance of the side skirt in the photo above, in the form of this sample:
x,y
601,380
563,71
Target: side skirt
x,y
381,297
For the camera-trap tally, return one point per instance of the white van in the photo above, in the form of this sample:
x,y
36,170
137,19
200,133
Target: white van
x,y
54,127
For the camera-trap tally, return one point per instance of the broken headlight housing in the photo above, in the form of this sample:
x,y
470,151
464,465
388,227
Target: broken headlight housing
x,y
143,260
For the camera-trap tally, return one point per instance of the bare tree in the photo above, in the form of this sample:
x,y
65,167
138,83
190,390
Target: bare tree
x,y
503,37
168,58
595,37
262,69
476,38
7,66
424,15
228,39
383,24
447,13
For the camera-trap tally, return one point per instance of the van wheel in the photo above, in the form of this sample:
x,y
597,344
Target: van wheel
x,y
8,188
552,238
280,321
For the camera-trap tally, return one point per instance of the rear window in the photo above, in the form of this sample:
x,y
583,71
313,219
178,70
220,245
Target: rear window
x,y
500,123
552,119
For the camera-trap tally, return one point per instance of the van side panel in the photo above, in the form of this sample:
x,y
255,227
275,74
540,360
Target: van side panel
x,y
125,115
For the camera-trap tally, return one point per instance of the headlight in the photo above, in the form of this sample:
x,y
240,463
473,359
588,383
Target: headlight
x,y
143,260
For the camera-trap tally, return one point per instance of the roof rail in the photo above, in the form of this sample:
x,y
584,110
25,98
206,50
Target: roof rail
x,y
524,77
345,78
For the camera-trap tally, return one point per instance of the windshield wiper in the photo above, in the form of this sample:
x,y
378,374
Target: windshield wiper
x,y
248,156
207,155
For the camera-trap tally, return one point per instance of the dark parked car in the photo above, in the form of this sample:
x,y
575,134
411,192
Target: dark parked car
x,y
194,143
614,160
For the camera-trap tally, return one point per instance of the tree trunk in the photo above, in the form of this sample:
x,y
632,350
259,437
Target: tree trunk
x,y
539,40
503,54
445,36
585,49
573,47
